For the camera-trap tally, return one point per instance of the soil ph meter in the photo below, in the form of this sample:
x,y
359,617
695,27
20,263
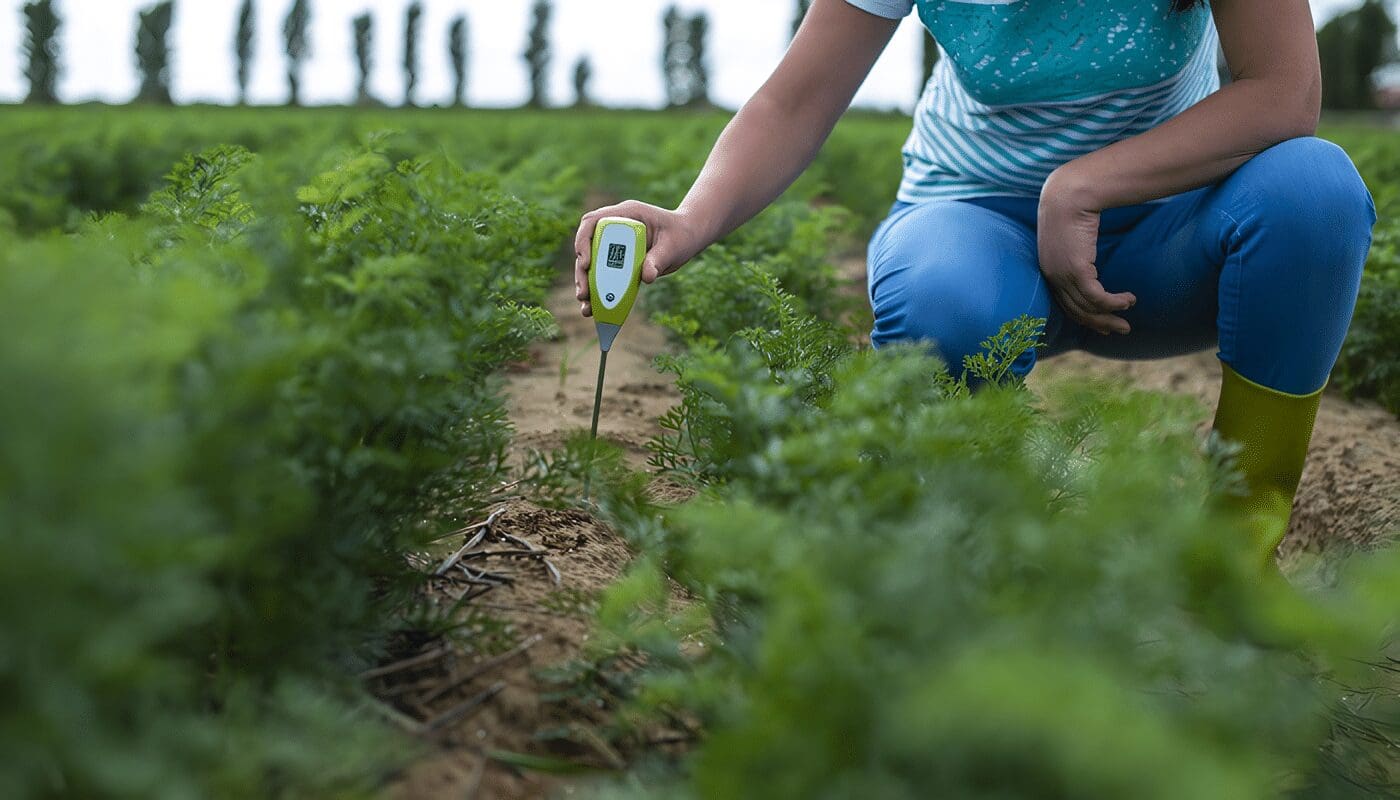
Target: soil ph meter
x,y
614,276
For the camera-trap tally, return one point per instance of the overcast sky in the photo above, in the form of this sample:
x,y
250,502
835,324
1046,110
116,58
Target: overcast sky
x,y
622,37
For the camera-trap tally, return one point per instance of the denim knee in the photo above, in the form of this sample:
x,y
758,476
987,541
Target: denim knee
x,y
931,303
1310,186
1299,232
950,274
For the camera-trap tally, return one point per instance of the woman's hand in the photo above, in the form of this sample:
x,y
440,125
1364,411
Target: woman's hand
x,y
1069,236
673,239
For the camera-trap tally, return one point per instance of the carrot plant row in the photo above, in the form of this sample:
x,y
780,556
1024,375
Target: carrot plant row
x,y
909,583
227,415
240,387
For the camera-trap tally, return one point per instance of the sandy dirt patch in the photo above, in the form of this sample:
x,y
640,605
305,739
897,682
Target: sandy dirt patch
x,y
540,620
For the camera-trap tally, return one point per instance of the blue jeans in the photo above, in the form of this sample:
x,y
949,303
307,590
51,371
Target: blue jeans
x,y
1265,265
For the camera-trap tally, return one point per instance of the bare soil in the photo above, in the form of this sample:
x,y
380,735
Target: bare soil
x,y
516,630
551,394
540,623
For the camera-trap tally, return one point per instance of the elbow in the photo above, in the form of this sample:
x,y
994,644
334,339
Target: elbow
x,y
1301,112
1297,125
772,103
1284,108
782,102
1308,112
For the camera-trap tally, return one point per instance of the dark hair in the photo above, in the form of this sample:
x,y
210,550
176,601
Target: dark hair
x,y
1186,5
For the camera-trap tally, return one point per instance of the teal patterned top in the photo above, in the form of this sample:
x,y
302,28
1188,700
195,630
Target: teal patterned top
x,y
1026,85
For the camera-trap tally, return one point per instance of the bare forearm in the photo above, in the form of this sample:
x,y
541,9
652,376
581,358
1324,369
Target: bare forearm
x,y
1199,147
775,136
759,154
763,149
1276,95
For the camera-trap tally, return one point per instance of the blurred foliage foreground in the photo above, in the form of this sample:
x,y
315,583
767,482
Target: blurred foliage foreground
x,y
237,395
224,421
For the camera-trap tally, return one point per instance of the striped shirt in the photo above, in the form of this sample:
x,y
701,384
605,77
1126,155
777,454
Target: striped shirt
x,y
1023,86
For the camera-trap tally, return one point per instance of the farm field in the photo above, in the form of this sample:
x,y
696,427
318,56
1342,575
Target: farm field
x,y
295,440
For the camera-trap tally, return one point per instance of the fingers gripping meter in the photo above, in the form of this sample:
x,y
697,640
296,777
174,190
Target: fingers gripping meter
x,y
615,273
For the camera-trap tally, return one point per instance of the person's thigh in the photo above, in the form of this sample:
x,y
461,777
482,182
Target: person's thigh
x,y
1168,255
951,273
1265,263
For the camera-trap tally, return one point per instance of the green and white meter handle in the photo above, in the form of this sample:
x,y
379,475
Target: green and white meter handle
x,y
615,273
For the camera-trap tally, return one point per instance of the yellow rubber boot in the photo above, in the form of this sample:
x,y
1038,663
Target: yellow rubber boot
x,y
1273,429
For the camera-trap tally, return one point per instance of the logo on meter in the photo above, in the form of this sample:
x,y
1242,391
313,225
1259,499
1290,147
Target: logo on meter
x,y
617,254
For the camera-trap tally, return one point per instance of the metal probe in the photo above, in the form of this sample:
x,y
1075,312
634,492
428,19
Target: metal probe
x,y
593,431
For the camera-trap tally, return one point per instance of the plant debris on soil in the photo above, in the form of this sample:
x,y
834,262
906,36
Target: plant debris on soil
x,y
523,588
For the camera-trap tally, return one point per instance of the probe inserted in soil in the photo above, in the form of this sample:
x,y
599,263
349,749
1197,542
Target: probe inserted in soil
x,y
614,276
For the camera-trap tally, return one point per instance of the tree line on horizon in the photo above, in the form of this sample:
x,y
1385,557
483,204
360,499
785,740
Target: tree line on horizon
x,y
152,49
684,68
1353,46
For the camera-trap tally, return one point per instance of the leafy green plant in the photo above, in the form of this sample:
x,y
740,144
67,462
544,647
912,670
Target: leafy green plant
x,y
995,594
201,191
230,426
725,289
241,388
916,584
1369,365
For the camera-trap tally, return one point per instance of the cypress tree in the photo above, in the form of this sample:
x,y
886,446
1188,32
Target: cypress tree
x,y
670,23
699,70
364,56
1352,47
583,75
457,51
243,48
410,50
677,62
683,63
41,51
537,53
294,40
153,53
